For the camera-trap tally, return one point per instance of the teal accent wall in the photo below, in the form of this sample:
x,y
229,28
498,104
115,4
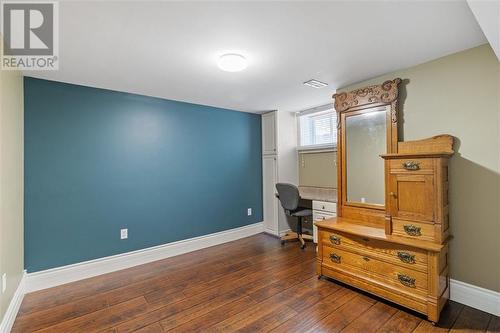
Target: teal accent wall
x,y
97,161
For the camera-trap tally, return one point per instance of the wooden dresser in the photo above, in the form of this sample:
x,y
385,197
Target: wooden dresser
x,y
397,249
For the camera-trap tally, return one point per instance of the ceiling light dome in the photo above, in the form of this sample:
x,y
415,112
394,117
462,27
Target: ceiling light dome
x,y
232,62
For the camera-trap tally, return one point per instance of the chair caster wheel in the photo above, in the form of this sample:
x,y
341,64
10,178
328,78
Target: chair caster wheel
x,y
303,246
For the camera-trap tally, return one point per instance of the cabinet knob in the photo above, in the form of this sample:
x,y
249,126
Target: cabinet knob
x,y
392,194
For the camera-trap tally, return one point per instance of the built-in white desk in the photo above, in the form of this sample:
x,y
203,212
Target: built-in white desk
x,y
324,204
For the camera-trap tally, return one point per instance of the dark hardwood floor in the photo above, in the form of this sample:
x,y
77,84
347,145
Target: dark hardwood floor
x,y
251,285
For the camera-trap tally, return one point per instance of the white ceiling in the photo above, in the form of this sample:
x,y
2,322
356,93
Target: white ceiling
x,y
169,49
487,14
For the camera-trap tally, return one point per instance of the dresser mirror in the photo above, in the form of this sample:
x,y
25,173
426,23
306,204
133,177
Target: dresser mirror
x,y
365,141
367,128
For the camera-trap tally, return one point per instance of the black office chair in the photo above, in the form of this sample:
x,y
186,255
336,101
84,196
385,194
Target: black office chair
x,y
288,195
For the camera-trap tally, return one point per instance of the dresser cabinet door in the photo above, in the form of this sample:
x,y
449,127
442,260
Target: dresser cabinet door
x,y
412,197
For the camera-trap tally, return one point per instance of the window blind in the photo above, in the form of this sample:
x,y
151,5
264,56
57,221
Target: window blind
x,y
317,128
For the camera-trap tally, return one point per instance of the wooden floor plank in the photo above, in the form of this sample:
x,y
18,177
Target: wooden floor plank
x,y
200,323
153,328
343,316
494,326
308,317
102,319
448,317
402,322
471,320
52,316
203,308
251,285
371,320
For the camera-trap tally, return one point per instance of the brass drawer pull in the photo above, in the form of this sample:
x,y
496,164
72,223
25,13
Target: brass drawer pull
x,y
335,258
335,240
406,257
406,280
412,230
411,165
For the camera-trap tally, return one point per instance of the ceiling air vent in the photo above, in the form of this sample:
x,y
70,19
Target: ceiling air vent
x,y
315,84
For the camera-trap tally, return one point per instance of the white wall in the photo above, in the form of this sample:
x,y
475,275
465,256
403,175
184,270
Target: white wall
x,y
11,182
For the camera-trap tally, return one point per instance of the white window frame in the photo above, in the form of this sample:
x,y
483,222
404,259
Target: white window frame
x,y
322,147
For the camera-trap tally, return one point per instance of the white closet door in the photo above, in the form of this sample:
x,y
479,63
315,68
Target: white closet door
x,y
269,178
269,133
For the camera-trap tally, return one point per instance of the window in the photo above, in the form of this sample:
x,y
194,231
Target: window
x,y
317,128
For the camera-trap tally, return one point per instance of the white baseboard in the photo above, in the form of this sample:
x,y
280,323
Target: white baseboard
x,y
475,297
15,303
271,232
70,273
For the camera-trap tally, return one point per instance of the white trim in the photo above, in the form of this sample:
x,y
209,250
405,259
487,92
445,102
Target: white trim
x,y
321,108
475,297
14,305
317,149
284,232
70,273
271,232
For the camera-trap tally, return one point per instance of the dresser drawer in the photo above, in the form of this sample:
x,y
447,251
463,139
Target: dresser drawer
x,y
383,272
412,229
412,165
398,254
324,206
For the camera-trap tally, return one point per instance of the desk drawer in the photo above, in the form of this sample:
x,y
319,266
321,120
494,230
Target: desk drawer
x,y
399,277
324,206
405,256
319,215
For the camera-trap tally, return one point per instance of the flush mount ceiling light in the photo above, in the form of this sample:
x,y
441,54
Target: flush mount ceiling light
x,y
315,84
232,62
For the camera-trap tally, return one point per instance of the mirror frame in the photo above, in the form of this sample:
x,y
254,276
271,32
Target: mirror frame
x,y
355,102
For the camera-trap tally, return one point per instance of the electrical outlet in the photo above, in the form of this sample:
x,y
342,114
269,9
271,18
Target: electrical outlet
x,y
249,211
123,233
4,282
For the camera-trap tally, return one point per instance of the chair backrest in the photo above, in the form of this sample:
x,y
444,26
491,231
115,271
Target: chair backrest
x,y
288,195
